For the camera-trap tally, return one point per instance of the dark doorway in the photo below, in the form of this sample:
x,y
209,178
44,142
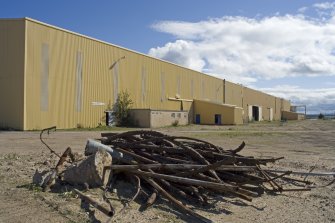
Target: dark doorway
x,y
217,119
255,113
197,119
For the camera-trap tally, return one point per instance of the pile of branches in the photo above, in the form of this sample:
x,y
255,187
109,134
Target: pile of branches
x,y
188,171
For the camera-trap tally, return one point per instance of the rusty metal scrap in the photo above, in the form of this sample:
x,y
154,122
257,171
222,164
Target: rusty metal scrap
x,y
186,171
193,170
53,128
95,203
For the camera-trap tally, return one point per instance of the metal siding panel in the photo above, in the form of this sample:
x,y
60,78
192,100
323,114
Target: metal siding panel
x,y
144,85
96,79
147,89
12,57
234,94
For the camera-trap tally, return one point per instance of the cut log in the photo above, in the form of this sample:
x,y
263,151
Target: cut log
x,y
94,170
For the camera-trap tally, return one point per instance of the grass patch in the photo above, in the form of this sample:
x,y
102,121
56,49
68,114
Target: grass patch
x,y
233,134
93,129
31,187
11,156
68,194
100,128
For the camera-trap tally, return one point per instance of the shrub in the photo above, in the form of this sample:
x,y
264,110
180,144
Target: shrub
x,y
121,109
175,123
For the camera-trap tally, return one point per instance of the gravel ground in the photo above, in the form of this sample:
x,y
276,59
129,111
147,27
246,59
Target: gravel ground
x,y
304,144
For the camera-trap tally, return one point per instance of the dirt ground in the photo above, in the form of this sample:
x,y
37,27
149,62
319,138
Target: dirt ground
x,y
304,144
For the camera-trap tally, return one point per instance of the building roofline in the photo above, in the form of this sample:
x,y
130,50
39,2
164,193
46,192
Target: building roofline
x,y
257,90
110,44
129,50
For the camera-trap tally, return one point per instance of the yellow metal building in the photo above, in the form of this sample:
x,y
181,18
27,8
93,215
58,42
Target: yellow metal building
x,y
51,76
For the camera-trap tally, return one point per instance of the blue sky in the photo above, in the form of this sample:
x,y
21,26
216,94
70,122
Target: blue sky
x,y
283,47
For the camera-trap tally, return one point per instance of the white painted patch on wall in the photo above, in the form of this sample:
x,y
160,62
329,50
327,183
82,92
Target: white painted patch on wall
x,y
97,103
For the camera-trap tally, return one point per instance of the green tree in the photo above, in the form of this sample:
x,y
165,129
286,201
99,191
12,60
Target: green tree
x,y
321,116
121,109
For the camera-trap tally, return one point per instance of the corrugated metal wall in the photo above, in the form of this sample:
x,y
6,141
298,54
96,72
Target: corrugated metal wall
x,y
241,96
286,105
75,94
233,94
12,48
206,112
253,97
69,80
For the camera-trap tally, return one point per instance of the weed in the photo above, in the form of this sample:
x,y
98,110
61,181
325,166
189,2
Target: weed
x,y
11,156
31,187
175,123
232,134
68,194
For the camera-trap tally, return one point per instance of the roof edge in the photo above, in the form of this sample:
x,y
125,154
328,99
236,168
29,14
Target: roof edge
x,y
110,44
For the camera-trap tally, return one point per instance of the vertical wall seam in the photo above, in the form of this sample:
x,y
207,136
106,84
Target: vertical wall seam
x,y
79,78
116,81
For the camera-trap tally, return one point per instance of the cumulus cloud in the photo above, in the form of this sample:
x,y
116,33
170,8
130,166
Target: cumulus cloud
x,y
245,50
325,10
317,100
303,9
325,5
239,48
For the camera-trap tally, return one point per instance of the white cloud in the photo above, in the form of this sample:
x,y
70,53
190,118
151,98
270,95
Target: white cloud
x,y
325,9
302,9
317,100
243,50
325,5
173,52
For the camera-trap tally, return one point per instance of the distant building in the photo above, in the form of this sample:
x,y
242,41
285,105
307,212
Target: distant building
x,y
51,76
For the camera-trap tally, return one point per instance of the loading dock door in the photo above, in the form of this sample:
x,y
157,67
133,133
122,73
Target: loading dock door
x,y
255,113
217,119
197,119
